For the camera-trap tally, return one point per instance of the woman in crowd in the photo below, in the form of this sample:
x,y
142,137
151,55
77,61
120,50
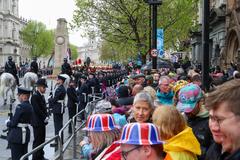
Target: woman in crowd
x,y
142,111
102,132
143,107
181,144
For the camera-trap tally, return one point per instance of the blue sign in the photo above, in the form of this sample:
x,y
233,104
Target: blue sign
x,y
160,45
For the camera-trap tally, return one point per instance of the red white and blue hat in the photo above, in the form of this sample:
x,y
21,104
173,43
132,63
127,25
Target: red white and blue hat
x,y
140,134
100,123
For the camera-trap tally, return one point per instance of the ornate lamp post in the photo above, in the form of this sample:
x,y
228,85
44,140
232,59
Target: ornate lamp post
x,y
154,4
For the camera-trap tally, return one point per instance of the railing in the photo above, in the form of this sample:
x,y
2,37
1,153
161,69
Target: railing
x,y
75,133
62,146
55,138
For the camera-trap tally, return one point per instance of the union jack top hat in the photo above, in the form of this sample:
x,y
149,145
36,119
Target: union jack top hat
x,y
140,134
100,123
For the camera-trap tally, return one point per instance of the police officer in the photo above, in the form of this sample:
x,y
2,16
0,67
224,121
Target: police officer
x,y
19,134
66,68
10,67
72,101
34,65
83,93
39,118
56,103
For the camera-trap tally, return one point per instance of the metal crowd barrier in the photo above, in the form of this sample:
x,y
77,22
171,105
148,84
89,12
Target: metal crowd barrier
x,y
60,138
58,156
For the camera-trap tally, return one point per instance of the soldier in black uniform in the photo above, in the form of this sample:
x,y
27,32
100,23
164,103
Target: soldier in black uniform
x,y
39,118
72,102
19,134
34,65
10,67
83,93
56,103
66,68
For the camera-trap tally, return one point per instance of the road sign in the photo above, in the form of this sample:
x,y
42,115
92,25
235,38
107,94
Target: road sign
x,y
154,52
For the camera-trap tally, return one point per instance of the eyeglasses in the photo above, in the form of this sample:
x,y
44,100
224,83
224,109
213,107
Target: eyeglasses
x,y
125,153
218,119
164,84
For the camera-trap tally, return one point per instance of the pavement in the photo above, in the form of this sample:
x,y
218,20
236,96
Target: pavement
x,y
5,154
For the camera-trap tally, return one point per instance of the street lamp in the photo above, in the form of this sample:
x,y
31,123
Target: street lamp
x,y
154,4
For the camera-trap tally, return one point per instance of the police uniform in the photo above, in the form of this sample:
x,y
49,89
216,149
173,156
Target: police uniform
x,y
66,68
19,133
10,67
57,105
39,118
71,103
34,66
83,93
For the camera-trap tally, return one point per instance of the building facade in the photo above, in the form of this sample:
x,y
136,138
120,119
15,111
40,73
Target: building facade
x,y
91,50
232,42
224,35
10,25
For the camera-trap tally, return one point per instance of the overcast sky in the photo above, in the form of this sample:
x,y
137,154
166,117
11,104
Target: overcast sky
x,y
48,11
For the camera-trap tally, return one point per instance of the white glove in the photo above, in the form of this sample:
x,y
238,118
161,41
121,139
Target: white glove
x,y
46,120
6,121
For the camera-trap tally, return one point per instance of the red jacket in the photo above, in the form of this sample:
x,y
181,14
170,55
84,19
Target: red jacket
x,y
113,152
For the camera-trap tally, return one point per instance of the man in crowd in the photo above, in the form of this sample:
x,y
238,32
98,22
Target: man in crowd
x,y
39,118
225,102
190,102
140,141
165,93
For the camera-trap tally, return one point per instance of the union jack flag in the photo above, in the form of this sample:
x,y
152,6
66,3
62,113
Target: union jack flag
x,y
140,134
100,123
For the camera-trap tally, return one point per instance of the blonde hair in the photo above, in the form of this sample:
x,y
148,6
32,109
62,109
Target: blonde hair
x,y
101,140
169,121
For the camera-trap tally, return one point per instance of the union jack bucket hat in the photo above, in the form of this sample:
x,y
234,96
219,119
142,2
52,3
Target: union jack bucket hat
x,y
100,123
140,134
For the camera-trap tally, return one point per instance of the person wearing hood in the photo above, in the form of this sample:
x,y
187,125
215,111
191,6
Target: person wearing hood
x,y
165,93
180,142
191,104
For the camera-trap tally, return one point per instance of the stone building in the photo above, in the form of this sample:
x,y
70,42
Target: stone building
x,y
224,34
10,25
91,50
232,42
217,32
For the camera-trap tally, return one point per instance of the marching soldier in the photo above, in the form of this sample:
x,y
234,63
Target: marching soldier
x,y
19,134
34,65
10,67
56,103
39,118
66,68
